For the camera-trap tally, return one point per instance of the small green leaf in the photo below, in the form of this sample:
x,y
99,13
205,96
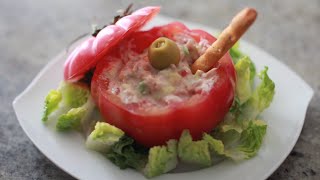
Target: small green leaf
x,y
161,159
127,154
74,95
71,120
194,152
103,137
51,103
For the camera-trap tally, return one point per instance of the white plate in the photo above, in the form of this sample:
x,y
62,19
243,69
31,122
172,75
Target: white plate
x,y
285,119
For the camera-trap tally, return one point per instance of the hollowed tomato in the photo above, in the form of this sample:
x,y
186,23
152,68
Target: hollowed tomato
x,y
200,113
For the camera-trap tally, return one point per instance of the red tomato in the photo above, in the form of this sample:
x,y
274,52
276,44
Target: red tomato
x,y
87,54
201,113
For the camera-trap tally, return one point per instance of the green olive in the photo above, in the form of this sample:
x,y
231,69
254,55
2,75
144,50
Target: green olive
x,y
163,52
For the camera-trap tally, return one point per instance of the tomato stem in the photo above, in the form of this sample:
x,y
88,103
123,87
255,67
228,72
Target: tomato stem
x,y
126,12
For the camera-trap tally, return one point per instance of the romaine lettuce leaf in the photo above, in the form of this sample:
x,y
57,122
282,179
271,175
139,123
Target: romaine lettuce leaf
x,y
238,146
249,143
70,120
261,98
231,122
51,103
68,106
127,154
215,145
162,159
244,85
240,135
193,152
74,95
103,137
236,55
249,101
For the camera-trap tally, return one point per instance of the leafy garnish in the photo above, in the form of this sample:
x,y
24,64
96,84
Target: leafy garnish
x,y
51,103
161,159
71,120
194,152
127,154
103,137
68,106
238,145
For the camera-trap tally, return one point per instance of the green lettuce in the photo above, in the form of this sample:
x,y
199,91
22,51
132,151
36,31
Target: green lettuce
x,y
244,85
249,101
250,141
103,137
125,153
51,103
193,152
238,146
74,95
231,122
240,135
215,145
162,159
68,106
261,97
71,120
237,55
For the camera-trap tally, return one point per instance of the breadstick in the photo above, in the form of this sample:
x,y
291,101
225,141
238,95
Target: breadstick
x,y
229,36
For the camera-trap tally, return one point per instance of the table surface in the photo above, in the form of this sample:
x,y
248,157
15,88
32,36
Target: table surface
x,y
32,32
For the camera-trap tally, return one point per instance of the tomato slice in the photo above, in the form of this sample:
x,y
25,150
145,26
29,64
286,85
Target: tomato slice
x,y
200,113
86,55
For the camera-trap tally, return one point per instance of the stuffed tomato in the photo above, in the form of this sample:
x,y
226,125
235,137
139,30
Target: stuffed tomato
x,y
155,105
151,99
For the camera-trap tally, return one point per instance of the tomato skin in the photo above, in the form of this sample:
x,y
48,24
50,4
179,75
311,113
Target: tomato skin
x,y
199,114
86,55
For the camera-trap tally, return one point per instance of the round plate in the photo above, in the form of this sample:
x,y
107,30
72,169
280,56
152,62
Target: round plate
x,y
285,118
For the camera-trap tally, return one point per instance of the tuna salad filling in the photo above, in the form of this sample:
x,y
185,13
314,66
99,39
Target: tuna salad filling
x,y
139,83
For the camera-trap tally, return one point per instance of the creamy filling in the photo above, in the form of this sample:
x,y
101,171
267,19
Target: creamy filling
x,y
139,83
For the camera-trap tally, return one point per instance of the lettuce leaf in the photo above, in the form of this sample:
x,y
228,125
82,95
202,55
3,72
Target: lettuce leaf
x,y
249,101
236,55
244,84
70,120
261,98
215,145
51,103
193,152
162,159
127,154
240,135
249,143
74,95
103,137
238,146
68,107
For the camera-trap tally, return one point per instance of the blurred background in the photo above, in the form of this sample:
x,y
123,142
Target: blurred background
x,y
34,31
